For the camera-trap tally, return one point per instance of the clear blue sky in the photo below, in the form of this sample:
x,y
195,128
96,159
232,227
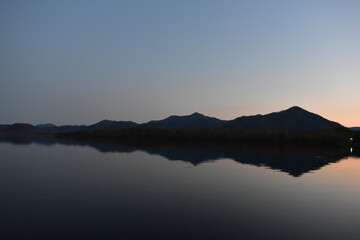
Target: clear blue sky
x,y
78,62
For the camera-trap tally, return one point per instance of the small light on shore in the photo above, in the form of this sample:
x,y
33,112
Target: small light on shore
x,y
351,139
351,150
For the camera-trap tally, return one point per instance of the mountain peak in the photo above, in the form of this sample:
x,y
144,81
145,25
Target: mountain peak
x,y
111,124
295,108
105,121
196,114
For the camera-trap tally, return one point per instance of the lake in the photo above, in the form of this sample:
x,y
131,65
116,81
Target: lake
x,y
65,189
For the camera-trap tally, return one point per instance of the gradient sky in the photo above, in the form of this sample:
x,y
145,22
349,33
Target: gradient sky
x,y
78,62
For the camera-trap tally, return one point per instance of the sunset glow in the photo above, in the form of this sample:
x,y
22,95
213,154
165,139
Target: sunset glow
x,y
83,61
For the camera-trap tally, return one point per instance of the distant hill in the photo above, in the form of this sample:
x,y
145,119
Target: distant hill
x,y
293,119
46,125
355,128
20,127
193,121
102,125
108,124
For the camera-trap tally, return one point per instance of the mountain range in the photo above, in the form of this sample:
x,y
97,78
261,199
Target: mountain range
x,y
292,119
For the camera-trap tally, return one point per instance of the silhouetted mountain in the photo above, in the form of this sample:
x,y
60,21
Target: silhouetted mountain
x,y
69,128
46,125
20,127
193,121
102,125
292,119
355,128
108,124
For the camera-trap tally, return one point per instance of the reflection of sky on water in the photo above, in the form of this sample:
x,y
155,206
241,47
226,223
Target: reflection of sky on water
x,y
67,191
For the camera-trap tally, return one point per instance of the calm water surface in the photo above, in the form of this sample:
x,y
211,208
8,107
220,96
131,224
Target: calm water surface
x,y
74,191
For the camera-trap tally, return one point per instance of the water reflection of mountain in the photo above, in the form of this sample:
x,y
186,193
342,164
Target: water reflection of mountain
x,y
295,161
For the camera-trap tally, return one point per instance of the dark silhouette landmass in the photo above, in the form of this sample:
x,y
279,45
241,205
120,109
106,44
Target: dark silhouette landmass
x,y
138,135
3,126
193,121
292,126
292,119
46,125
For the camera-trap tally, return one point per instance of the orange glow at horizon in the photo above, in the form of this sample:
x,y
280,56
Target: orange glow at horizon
x,y
345,172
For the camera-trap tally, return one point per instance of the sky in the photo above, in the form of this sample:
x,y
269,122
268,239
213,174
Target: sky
x,y
78,62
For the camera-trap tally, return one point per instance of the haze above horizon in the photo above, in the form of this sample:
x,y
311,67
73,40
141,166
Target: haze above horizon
x,y
69,62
